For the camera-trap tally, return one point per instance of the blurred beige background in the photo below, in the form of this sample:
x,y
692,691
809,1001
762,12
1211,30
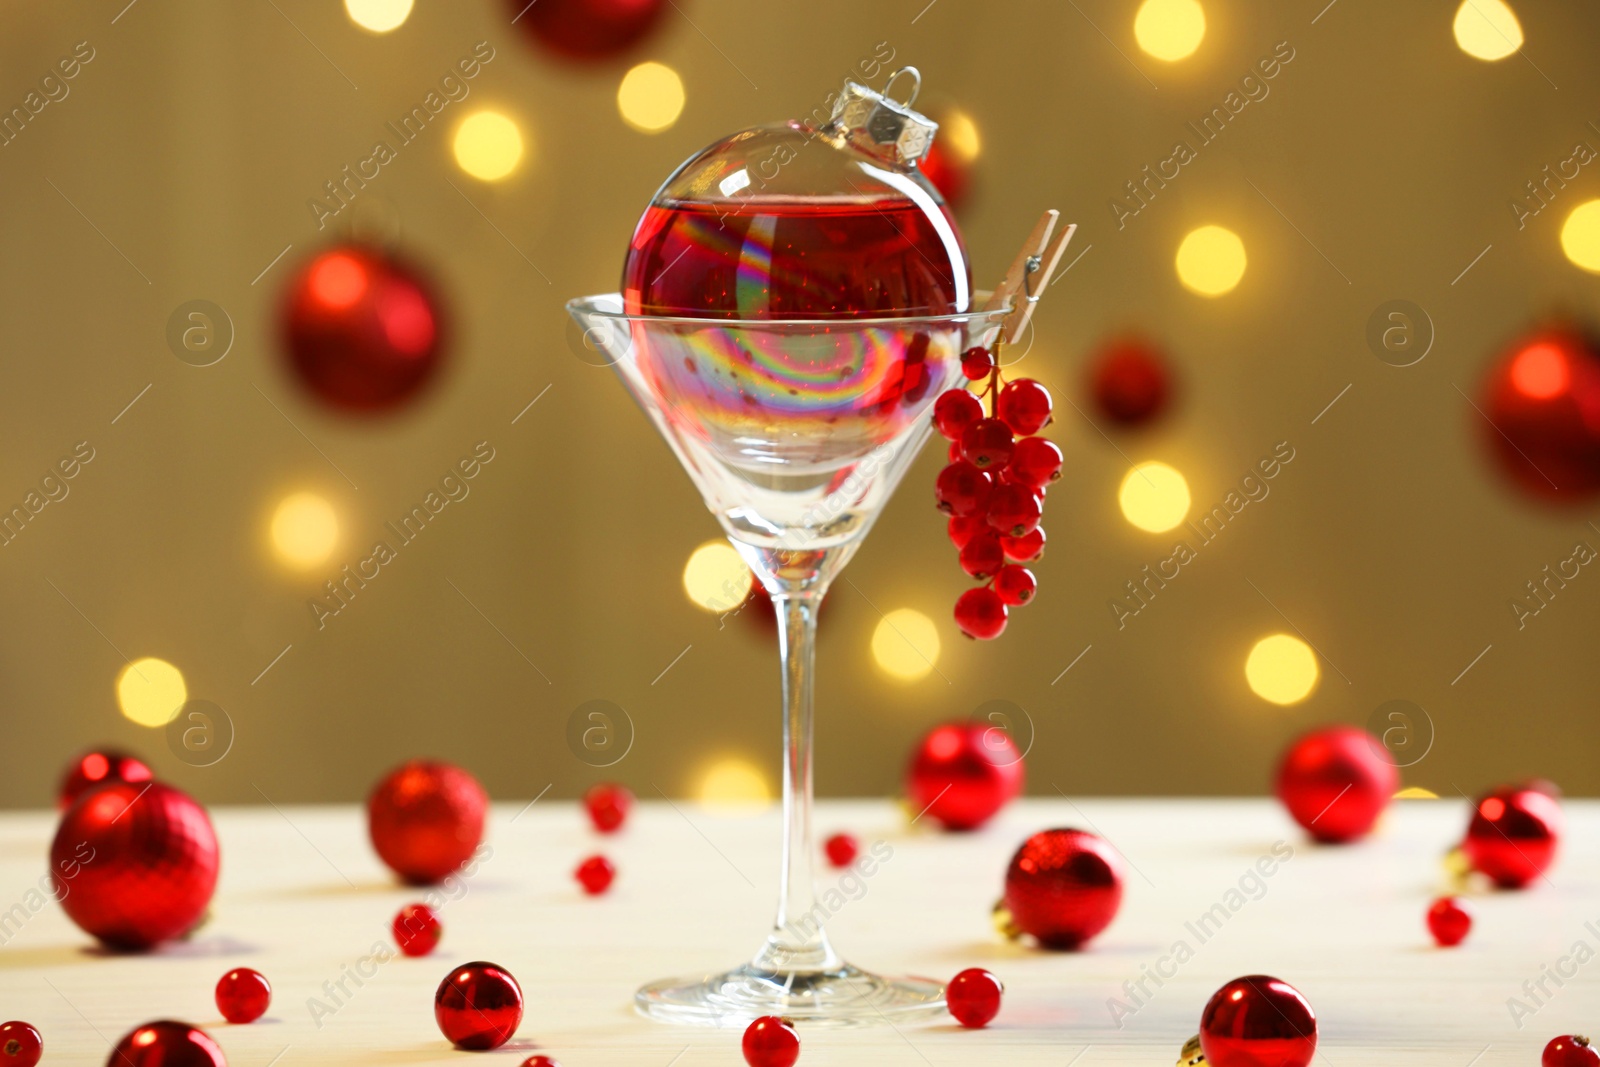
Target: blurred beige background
x,y
1382,162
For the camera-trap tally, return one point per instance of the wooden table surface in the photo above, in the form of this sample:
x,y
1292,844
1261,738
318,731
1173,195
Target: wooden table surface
x,y
304,900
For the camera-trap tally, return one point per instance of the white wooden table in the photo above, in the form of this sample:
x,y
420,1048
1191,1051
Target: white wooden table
x,y
303,898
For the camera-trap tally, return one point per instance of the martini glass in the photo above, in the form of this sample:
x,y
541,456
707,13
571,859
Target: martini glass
x,y
796,432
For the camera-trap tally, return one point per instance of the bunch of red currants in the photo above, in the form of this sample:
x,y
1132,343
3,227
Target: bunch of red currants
x,y
993,490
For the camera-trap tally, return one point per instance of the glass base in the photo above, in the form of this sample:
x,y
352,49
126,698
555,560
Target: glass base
x,y
846,996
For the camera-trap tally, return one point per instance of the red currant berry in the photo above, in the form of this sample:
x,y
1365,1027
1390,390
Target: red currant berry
x,y
977,363
417,930
962,528
842,850
607,804
1024,405
987,444
540,1061
20,1045
954,411
962,489
243,995
982,556
165,1043
1015,585
1014,510
595,875
973,997
771,1042
981,614
1449,921
1570,1050
1036,462
1024,549
478,1006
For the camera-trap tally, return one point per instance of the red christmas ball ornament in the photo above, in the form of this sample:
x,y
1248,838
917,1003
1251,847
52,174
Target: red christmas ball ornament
x,y
540,1061
425,818
1542,402
587,30
962,773
1449,921
841,849
417,930
973,997
134,865
97,767
1569,1050
362,328
1258,1021
1513,836
1062,887
478,1006
20,1045
165,1043
1130,381
1336,781
243,995
608,805
770,1042
595,874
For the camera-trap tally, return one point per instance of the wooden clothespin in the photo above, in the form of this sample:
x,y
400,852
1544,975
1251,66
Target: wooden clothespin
x,y
1030,273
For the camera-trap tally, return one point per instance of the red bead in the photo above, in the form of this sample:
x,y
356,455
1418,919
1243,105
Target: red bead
x,y
20,1045
167,1044
478,1006
962,773
1336,781
1541,404
425,819
134,864
963,528
1023,549
1258,1021
981,614
987,444
1130,382
608,805
595,875
842,850
771,1042
962,489
977,364
1063,887
95,768
1569,1050
1514,835
1015,585
243,995
587,30
954,411
1014,510
417,930
973,997
540,1061
1035,462
1024,405
982,556
1449,921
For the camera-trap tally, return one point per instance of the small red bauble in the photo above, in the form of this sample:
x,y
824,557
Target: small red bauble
x,y
1258,1021
1514,835
1130,382
1448,921
1336,781
20,1045
608,805
97,767
1541,404
417,929
362,329
973,997
1063,887
540,1061
167,1044
134,864
478,1006
425,819
1569,1050
243,995
595,875
961,773
842,849
587,30
771,1042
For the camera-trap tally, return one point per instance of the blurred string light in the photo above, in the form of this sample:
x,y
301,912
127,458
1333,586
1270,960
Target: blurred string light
x,y
650,97
1170,29
1580,236
960,134
1154,497
716,577
378,16
1282,669
305,530
488,145
906,644
1487,29
1416,792
734,785
150,691
1211,260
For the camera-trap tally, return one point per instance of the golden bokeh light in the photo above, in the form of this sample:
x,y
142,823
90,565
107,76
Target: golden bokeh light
x,y
1487,29
716,577
305,531
1580,236
734,785
488,146
1211,260
150,691
378,16
1282,668
1154,497
1170,29
650,97
906,644
961,134
1416,792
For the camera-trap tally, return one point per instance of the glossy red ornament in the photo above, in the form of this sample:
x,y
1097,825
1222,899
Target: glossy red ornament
x,y
770,1042
842,849
1258,1021
608,805
1336,781
165,1043
1130,382
595,875
417,930
425,818
478,1006
1541,400
134,865
96,767
243,995
1063,887
1569,1050
973,997
961,773
362,329
540,1061
587,30
20,1045
1448,921
1514,834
